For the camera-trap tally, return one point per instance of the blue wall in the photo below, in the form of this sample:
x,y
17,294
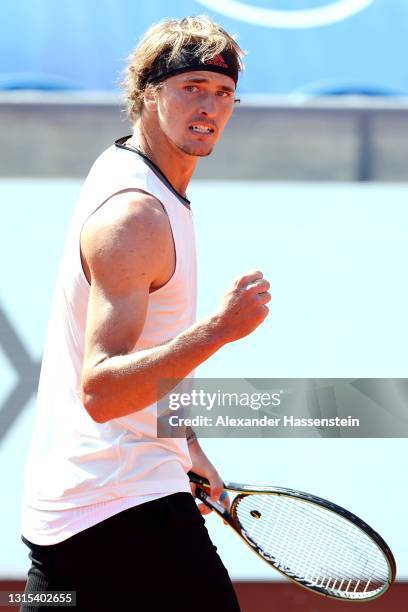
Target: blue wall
x,y
330,46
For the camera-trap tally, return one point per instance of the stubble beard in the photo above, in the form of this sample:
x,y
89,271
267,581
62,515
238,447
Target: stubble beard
x,y
194,152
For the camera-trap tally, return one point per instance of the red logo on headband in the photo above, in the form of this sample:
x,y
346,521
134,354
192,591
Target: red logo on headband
x,y
218,60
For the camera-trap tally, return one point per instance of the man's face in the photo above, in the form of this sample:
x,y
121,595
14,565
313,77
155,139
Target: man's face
x,y
193,109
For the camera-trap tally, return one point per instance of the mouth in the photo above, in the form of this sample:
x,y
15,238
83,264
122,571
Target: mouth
x,y
201,129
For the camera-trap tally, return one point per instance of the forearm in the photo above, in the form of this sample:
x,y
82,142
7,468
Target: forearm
x,y
190,435
123,384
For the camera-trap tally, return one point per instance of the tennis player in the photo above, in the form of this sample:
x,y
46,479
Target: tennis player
x,y
108,510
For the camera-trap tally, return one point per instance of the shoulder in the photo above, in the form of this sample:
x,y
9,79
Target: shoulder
x,y
124,234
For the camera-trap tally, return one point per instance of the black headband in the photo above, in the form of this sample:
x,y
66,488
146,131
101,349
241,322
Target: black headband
x,y
225,62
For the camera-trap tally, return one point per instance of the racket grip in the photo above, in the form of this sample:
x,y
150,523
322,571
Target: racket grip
x,y
206,499
199,480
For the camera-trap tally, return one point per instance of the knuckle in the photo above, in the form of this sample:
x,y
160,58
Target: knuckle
x,y
249,280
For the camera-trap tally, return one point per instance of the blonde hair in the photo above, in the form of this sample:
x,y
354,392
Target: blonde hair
x,y
170,36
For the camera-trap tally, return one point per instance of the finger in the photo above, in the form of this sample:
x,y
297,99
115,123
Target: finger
x,y
259,286
265,297
249,277
204,509
217,487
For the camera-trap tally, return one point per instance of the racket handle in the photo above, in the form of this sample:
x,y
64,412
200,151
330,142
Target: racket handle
x,y
206,499
199,480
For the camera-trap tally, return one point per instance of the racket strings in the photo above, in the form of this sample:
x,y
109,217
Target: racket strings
x,y
310,554
314,545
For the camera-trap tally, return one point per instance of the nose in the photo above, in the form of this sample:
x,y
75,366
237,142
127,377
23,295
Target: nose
x,y
207,106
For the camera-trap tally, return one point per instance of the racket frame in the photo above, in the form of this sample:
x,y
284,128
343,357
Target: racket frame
x,y
244,490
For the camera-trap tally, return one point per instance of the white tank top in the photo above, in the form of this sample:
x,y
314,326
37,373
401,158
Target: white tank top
x,y
80,472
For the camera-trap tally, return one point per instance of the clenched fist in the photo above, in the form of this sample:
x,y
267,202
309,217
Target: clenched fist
x,y
243,307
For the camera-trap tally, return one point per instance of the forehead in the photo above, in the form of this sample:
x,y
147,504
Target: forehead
x,y
204,76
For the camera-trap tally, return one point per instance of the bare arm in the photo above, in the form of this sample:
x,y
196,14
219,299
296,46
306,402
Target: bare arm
x,y
127,250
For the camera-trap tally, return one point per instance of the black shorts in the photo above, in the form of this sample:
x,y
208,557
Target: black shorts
x,y
153,557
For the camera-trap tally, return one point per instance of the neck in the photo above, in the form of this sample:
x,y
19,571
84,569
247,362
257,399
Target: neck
x,y
177,166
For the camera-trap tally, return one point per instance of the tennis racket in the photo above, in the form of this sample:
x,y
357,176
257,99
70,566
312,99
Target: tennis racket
x,y
315,543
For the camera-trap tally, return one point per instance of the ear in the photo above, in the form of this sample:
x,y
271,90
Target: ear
x,y
150,99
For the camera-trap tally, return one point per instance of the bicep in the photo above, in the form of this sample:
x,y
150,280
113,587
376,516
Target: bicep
x,y
114,322
119,246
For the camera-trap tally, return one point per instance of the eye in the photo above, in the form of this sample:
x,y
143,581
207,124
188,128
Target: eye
x,y
191,88
223,94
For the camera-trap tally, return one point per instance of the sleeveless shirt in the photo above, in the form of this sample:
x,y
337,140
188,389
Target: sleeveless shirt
x,y
78,471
